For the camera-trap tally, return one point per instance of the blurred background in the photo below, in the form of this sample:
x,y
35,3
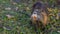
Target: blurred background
x,y
15,16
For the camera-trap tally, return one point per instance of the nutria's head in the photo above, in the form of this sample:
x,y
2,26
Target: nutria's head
x,y
36,10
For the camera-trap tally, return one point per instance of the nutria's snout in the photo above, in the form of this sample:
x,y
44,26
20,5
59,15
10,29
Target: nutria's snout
x,y
34,17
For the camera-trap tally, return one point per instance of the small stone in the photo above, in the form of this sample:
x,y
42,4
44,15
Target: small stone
x,y
8,8
9,16
58,31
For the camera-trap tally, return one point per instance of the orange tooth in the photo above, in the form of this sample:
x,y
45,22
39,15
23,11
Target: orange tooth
x,y
34,17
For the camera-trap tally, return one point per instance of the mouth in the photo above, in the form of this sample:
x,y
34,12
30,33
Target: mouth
x,y
34,17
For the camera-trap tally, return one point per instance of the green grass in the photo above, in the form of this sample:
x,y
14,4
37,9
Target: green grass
x,y
19,23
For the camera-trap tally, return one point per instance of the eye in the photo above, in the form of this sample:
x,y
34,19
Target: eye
x,y
35,13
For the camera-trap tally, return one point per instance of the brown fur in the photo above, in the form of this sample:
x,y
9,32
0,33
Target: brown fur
x,y
41,12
